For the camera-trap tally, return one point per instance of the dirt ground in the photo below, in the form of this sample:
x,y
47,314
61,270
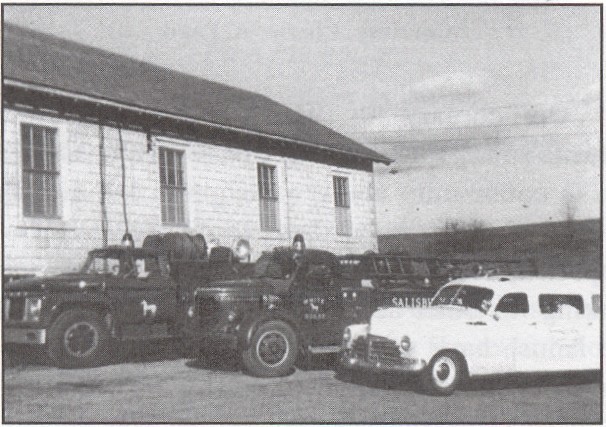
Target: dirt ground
x,y
164,388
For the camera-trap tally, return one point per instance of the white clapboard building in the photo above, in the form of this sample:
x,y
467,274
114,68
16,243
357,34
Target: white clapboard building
x,y
93,141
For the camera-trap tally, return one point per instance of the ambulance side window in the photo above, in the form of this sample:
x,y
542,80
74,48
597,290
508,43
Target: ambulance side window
x,y
596,303
561,304
513,303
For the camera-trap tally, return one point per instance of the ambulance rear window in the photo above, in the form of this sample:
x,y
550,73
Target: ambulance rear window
x,y
596,303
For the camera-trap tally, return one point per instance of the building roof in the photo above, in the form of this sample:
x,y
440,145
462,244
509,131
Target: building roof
x,y
39,59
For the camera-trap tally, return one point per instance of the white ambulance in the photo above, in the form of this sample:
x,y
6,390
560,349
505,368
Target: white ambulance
x,y
483,326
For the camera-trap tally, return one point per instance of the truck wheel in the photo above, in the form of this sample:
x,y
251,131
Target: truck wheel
x,y
272,351
443,374
78,339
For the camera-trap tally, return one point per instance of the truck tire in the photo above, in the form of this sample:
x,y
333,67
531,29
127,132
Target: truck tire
x,y
272,351
443,374
78,339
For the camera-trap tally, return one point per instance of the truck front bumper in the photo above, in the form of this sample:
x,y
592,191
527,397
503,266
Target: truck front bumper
x,y
23,336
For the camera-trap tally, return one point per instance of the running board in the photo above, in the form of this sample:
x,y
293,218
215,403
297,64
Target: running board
x,y
324,349
143,332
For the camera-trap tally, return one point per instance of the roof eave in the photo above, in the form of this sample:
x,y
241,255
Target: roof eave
x,y
121,105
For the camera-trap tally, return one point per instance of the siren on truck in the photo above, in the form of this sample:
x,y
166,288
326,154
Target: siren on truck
x,y
127,240
298,243
242,250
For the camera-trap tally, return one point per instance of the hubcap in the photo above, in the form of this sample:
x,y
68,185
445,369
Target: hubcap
x,y
272,348
80,339
444,371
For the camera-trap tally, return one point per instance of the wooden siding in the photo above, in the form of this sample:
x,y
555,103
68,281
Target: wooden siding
x,y
222,199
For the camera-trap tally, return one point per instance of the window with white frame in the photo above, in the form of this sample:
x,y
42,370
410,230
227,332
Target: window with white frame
x,y
172,186
40,171
342,205
268,197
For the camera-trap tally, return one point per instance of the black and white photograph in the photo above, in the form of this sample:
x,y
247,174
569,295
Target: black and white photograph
x,y
288,213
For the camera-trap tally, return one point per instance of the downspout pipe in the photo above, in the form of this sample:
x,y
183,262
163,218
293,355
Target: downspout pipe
x,y
123,180
104,224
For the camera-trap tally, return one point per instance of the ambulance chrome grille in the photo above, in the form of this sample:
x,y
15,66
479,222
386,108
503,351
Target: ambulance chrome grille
x,y
383,350
377,350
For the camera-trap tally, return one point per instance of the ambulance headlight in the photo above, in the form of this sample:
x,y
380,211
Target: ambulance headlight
x,y
405,343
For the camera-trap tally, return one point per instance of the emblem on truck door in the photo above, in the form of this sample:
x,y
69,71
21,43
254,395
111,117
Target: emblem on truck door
x,y
314,305
149,309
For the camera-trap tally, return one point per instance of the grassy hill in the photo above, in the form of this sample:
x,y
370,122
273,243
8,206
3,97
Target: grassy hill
x,y
558,248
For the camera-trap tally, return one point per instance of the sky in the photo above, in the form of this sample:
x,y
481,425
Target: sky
x,y
490,113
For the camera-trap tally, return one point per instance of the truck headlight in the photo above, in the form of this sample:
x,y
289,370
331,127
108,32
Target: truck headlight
x,y
191,311
33,306
405,343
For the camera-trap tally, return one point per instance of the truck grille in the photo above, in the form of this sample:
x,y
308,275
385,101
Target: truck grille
x,y
359,348
377,350
16,308
206,309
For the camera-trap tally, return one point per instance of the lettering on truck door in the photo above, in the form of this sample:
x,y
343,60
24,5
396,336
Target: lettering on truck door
x,y
320,306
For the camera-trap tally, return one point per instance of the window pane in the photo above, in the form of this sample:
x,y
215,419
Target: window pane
x,y
342,210
164,205
27,194
170,162
39,161
179,206
49,149
273,186
561,304
268,197
343,217
38,203
178,171
513,303
162,167
269,215
172,194
341,191
26,146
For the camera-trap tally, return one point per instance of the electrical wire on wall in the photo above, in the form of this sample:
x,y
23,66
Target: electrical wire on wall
x,y
123,181
104,224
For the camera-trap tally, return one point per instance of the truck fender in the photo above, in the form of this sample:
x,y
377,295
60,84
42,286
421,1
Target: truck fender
x,y
100,305
250,324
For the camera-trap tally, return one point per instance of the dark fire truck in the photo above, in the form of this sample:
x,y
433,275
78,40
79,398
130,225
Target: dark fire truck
x,y
297,303
121,293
